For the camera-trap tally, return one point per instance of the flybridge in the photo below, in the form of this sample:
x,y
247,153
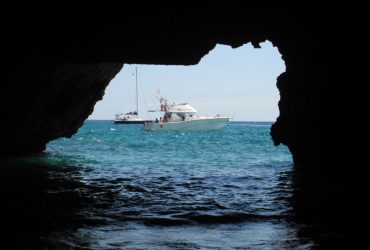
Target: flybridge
x,y
182,107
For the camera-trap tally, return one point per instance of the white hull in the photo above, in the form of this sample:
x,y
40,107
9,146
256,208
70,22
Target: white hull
x,y
204,124
131,121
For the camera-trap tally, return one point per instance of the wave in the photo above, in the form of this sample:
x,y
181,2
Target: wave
x,y
192,218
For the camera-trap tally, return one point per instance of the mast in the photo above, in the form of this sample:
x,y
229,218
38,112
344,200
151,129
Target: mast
x,y
137,96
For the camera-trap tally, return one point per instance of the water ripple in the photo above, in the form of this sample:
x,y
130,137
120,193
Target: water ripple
x,y
107,189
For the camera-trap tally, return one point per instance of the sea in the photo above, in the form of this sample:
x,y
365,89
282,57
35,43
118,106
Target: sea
x,y
116,186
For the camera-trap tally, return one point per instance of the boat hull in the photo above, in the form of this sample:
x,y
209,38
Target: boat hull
x,y
131,122
190,125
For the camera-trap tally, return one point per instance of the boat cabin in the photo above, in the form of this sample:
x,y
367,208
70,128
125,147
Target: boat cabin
x,y
179,112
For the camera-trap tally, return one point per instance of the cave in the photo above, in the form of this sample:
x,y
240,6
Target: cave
x,y
59,60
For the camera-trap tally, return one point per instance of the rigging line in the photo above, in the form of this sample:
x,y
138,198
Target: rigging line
x,y
156,90
145,95
137,96
133,100
150,97
155,87
146,105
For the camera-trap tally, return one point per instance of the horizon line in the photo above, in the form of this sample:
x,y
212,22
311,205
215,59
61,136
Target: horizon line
x,y
230,121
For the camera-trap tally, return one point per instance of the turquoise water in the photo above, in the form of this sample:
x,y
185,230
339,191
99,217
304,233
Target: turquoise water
x,y
118,187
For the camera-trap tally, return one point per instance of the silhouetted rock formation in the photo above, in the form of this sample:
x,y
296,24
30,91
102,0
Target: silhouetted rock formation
x,y
58,67
59,62
46,100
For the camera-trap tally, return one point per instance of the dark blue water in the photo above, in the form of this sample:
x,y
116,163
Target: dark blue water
x,y
119,187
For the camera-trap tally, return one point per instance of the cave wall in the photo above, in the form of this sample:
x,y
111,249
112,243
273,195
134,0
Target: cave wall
x,y
59,60
47,100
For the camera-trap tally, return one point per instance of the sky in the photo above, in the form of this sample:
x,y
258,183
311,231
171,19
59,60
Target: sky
x,y
240,82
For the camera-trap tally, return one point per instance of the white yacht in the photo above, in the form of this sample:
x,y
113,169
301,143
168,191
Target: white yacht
x,y
184,117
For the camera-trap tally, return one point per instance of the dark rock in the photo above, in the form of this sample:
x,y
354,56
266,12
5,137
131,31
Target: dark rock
x,y
59,60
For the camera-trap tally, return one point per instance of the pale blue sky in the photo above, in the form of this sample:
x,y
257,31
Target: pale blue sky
x,y
241,81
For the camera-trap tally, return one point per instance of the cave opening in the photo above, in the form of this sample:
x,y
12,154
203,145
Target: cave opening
x,y
241,81
227,188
